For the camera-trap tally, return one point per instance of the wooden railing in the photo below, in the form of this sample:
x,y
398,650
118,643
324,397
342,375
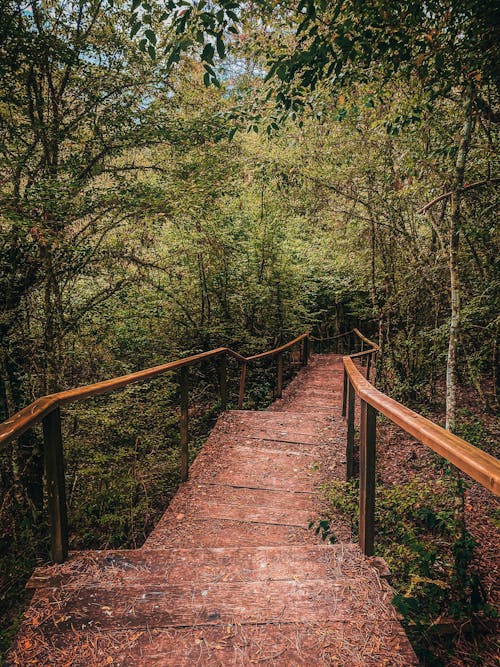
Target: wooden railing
x,y
471,460
47,411
474,462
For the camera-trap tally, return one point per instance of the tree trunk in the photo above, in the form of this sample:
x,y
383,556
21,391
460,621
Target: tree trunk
x,y
454,238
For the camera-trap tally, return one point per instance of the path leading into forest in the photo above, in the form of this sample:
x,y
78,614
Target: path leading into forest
x,y
231,575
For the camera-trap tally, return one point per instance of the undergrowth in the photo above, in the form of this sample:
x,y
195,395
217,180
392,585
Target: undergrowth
x,y
434,576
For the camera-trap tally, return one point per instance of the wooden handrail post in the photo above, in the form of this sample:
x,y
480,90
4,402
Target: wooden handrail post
x,y
344,393
56,491
305,352
279,383
369,365
184,422
241,393
367,478
223,381
351,403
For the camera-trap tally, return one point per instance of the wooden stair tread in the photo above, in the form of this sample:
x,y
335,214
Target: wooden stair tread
x,y
196,565
213,603
224,533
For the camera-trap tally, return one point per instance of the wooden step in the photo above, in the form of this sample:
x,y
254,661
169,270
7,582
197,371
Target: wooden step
x,y
221,501
325,644
221,603
224,533
254,468
112,569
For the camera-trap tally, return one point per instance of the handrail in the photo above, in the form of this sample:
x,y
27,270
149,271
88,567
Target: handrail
x,y
277,350
32,414
340,335
47,410
372,345
471,460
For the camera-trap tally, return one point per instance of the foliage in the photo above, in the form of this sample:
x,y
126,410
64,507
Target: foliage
x,y
135,231
433,569
322,527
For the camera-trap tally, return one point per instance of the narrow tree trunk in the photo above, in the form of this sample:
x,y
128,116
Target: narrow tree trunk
x,y
451,366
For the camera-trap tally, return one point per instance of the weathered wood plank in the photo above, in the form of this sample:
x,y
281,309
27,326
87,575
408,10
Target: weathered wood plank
x,y
195,566
271,645
223,533
291,601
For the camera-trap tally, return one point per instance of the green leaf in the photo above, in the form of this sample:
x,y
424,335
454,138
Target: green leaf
x,y
209,70
208,54
221,49
135,29
150,35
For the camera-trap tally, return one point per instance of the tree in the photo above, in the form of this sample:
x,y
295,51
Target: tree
x,y
448,47
76,101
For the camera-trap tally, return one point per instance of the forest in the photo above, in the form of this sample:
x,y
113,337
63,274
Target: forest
x,y
177,176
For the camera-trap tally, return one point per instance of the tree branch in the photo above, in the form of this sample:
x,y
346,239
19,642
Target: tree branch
x,y
476,184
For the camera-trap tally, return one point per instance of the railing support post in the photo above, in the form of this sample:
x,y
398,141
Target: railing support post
x,y
241,393
279,383
305,351
184,386
223,381
351,402
344,393
56,491
369,366
367,478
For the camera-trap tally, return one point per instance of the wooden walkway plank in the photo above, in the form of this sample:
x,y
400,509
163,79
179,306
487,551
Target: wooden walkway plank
x,y
110,569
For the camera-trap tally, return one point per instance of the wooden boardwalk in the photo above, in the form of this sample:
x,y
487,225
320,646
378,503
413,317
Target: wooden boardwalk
x,y
231,575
